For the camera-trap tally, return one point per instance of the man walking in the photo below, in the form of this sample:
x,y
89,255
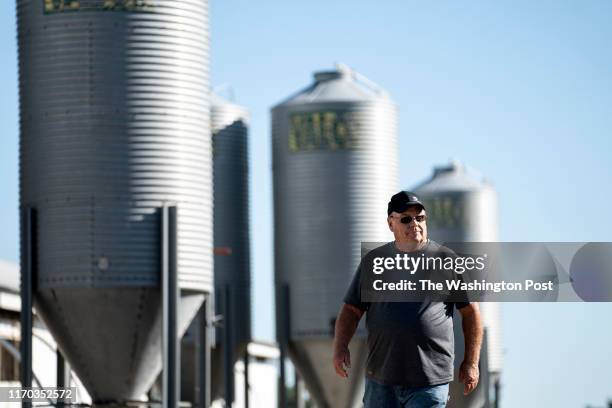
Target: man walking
x,y
410,344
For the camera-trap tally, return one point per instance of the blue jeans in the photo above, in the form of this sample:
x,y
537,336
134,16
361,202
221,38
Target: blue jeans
x,y
392,396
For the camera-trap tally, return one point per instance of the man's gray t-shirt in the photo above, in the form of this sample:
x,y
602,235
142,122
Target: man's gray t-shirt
x,y
409,343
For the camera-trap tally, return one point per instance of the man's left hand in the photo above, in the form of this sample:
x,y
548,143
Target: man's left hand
x,y
468,375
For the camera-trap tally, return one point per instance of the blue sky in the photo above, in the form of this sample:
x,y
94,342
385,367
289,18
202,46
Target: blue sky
x,y
520,91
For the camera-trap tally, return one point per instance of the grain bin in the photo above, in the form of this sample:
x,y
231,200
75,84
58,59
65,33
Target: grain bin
x,y
231,208
114,121
229,123
462,208
335,166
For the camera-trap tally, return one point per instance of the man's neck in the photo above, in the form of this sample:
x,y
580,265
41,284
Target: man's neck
x,y
410,246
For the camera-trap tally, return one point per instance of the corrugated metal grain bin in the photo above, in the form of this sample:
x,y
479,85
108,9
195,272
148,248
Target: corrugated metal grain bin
x,y
461,208
335,166
114,119
231,237
231,208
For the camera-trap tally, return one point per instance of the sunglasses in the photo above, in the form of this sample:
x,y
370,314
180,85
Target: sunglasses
x,y
407,219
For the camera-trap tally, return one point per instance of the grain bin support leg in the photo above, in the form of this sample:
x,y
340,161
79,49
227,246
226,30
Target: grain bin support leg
x,y
246,377
228,347
202,343
62,371
283,341
62,375
498,393
170,296
484,368
28,264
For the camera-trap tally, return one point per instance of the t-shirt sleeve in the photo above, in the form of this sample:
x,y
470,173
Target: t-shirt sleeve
x,y
458,297
353,294
461,305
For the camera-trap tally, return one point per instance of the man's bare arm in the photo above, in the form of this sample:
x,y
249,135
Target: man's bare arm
x,y
472,332
346,325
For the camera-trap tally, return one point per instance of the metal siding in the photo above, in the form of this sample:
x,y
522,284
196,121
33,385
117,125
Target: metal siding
x,y
325,203
476,204
114,123
231,209
470,215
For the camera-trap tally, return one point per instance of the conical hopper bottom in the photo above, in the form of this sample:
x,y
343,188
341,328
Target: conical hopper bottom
x,y
112,336
313,361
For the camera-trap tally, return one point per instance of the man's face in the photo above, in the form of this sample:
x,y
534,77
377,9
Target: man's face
x,y
413,232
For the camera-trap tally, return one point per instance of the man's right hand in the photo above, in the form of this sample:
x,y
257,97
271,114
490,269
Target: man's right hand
x,y
342,362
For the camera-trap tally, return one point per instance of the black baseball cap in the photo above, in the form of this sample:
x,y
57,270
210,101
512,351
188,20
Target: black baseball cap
x,y
402,200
